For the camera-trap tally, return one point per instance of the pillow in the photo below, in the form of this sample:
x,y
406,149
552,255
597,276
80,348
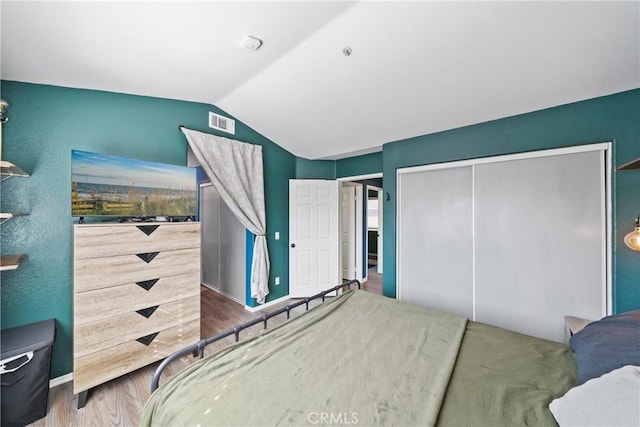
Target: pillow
x,y
611,400
607,344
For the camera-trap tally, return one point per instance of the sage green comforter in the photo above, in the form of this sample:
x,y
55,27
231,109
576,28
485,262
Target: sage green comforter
x,y
503,378
361,359
357,359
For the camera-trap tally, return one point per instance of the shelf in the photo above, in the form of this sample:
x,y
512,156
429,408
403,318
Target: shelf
x,y
11,262
633,164
8,169
6,216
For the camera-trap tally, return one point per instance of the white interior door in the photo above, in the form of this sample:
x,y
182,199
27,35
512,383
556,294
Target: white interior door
x,y
360,231
380,234
348,231
314,236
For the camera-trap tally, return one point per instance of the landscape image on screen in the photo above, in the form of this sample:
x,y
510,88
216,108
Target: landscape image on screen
x,y
109,185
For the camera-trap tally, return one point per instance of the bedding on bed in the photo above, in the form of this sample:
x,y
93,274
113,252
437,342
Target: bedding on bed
x,y
360,358
503,378
612,399
363,359
607,344
607,355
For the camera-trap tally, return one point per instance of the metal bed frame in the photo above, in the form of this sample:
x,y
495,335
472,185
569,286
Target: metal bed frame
x,y
198,348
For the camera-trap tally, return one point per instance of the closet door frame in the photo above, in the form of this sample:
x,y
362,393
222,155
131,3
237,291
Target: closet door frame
x,y
605,147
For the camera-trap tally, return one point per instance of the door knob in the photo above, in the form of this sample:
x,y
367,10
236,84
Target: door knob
x,y
293,245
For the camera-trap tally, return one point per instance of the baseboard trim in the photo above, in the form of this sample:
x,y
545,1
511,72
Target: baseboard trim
x,y
232,298
263,306
61,380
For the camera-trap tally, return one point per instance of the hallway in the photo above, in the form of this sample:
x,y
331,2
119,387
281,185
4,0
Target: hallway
x,y
374,281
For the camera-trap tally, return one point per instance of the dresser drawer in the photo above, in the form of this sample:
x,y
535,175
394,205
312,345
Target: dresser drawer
x,y
97,273
108,302
100,367
100,240
102,334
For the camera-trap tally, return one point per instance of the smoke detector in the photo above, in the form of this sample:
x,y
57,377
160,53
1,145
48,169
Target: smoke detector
x,y
249,42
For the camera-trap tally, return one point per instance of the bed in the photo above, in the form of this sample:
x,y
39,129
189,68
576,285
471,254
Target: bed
x,y
363,359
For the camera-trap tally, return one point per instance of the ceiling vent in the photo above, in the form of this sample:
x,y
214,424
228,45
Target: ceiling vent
x,y
222,123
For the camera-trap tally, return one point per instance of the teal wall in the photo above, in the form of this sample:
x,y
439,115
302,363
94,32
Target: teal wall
x,y
365,164
315,169
614,118
45,123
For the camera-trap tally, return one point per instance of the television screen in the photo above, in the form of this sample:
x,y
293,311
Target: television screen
x,y
115,186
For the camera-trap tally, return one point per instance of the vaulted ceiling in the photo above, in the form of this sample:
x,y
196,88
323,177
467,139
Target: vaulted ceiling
x,y
415,67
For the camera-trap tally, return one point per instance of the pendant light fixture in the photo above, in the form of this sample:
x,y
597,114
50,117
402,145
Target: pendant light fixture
x,y
632,240
4,105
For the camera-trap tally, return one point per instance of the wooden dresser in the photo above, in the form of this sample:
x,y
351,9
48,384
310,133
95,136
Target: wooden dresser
x,y
136,297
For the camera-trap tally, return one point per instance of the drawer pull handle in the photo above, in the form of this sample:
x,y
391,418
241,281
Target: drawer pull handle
x,y
147,284
147,229
147,339
148,256
147,312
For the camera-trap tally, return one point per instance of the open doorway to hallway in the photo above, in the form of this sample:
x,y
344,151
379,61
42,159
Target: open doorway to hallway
x,y
361,209
374,238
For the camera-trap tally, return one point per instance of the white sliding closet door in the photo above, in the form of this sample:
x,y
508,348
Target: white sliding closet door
x,y
510,241
434,254
210,241
540,226
233,255
223,246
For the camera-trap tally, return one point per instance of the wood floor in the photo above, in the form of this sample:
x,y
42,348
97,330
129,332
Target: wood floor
x,y
374,282
120,402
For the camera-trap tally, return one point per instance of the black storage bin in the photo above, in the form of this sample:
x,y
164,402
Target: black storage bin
x,y
25,365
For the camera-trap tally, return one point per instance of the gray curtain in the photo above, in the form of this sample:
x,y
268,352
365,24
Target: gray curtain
x,y
235,169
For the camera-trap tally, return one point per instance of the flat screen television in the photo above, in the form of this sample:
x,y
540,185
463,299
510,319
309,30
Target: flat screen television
x,y
105,185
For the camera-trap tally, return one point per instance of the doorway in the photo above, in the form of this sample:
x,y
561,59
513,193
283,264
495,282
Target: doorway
x,y
367,247
351,237
374,229
317,219
314,233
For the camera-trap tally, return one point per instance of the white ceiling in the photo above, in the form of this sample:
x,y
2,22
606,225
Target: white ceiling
x,y
416,67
